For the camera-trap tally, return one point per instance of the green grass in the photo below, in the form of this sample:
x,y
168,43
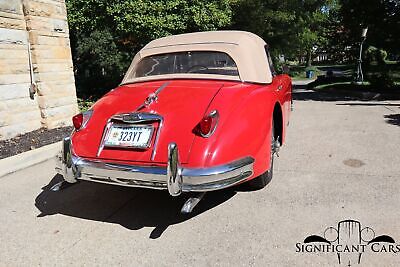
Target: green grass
x,y
350,89
371,83
347,72
297,72
334,84
342,67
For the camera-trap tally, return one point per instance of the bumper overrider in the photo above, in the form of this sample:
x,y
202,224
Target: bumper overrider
x,y
175,178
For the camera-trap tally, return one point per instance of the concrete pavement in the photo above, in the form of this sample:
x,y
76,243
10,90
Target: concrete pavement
x,y
341,161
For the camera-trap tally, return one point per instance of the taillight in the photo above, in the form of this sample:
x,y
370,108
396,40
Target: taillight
x,y
80,120
208,124
77,120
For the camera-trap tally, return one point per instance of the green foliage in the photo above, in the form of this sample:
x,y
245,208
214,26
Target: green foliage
x,y
293,28
375,56
380,80
382,17
106,34
378,73
312,68
99,62
298,72
148,19
85,104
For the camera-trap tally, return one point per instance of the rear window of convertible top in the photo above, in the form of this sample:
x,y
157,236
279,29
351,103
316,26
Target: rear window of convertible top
x,y
202,62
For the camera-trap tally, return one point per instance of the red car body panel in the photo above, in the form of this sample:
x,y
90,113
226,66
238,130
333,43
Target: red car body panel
x,y
182,105
244,126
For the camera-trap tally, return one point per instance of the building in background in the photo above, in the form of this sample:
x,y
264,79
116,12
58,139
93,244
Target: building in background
x,y
35,54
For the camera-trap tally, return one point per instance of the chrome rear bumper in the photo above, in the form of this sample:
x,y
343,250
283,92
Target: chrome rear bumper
x,y
175,178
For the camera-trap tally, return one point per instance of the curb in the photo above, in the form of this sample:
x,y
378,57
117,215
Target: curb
x,y
302,82
29,158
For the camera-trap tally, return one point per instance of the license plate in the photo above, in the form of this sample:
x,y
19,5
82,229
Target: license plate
x,y
130,136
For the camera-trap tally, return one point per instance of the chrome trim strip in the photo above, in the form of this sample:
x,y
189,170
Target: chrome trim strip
x,y
86,117
136,117
104,137
215,115
160,125
175,178
152,97
222,172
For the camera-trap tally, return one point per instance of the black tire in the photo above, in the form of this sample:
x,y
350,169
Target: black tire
x,y
264,179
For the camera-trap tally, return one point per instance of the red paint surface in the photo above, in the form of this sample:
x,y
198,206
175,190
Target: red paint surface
x,y
245,115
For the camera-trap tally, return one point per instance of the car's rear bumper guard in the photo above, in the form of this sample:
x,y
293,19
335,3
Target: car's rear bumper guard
x,y
175,178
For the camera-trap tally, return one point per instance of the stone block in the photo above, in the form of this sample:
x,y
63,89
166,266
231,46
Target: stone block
x,y
9,15
14,68
43,9
20,48
46,24
56,88
12,36
52,67
39,60
56,101
37,39
59,112
59,122
18,105
51,34
14,78
13,91
11,6
8,118
12,23
13,54
49,76
56,52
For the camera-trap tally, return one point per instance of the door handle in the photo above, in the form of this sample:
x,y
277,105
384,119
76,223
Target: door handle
x,y
279,87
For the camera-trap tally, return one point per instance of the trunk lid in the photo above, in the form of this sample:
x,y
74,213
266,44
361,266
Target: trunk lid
x,y
181,104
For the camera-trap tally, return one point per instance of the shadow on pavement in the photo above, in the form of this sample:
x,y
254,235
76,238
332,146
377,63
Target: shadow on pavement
x,y
368,104
393,119
304,93
130,207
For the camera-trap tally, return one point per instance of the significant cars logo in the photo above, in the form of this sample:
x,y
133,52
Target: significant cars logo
x,y
348,241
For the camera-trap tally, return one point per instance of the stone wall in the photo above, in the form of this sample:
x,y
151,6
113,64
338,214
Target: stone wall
x,y
38,26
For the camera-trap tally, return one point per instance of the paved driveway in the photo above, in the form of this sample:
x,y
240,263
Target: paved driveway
x,y
341,161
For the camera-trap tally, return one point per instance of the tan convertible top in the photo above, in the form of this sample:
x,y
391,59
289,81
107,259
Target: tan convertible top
x,y
245,48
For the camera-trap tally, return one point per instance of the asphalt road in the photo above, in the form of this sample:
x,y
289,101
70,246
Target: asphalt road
x,y
341,161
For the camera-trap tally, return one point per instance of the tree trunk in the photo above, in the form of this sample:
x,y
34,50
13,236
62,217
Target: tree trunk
x,y
309,58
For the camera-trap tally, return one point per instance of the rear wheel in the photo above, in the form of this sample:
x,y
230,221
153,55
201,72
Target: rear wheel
x,y
264,179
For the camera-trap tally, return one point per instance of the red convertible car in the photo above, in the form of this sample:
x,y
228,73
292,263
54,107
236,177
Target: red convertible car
x,y
195,112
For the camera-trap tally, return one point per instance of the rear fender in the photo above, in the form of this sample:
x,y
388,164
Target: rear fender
x,y
243,130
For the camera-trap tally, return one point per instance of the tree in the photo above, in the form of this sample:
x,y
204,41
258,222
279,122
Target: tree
x,y
293,28
106,34
382,17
